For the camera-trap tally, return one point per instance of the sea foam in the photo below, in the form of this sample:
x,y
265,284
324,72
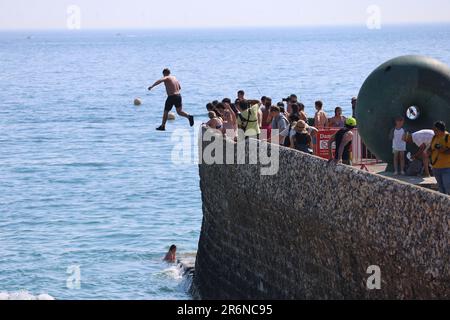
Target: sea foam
x,y
24,295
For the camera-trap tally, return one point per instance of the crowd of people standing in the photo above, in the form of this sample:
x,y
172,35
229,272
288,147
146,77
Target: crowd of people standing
x,y
259,118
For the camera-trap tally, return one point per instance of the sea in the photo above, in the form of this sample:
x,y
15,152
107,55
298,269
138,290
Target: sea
x,y
91,195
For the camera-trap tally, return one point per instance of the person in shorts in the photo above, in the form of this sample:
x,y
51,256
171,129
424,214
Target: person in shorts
x,y
174,98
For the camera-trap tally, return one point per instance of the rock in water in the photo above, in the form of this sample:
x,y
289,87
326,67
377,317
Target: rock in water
x,y
137,102
171,116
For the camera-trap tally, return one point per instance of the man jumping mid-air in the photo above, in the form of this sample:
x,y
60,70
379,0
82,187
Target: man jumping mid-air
x,y
173,89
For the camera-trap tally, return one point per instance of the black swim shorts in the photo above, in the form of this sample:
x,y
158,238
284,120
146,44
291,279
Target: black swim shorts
x,y
172,101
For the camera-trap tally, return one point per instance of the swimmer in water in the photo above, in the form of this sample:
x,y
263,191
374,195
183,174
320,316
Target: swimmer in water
x,y
171,255
174,98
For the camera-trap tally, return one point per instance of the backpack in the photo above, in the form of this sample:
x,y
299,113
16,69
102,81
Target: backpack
x,y
437,158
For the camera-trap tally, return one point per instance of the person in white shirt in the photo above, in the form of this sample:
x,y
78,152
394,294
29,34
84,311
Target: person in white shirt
x,y
423,140
399,145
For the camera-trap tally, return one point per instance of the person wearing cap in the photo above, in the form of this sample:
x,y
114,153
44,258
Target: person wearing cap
x,y
440,156
343,139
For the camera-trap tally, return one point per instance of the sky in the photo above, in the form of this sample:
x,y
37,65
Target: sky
x,y
152,14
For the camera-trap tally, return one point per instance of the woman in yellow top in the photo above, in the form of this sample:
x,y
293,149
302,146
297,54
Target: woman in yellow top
x,y
440,157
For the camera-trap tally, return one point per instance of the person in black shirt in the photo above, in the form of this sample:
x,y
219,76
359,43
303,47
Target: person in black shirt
x,y
343,139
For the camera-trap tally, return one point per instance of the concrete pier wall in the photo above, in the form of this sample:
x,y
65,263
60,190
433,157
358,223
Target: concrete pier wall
x,y
312,231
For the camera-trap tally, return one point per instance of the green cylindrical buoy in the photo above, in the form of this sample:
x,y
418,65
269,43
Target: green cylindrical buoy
x,y
393,89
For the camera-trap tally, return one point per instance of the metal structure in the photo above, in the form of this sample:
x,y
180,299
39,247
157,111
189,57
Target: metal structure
x,y
415,87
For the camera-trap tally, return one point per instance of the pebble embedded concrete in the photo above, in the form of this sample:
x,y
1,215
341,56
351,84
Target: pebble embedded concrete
x,y
312,230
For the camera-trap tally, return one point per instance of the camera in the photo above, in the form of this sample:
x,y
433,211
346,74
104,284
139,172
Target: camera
x,y
288,99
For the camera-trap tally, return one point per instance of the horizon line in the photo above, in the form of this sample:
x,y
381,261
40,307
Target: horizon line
x,y
178,28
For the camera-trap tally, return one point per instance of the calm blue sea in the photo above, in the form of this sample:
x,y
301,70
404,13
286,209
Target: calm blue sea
x,y
86,181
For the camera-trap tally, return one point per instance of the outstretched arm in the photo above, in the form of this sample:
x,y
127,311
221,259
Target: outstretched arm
x,y
157,83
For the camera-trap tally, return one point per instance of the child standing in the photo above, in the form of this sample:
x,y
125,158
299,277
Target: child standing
x,y
399,145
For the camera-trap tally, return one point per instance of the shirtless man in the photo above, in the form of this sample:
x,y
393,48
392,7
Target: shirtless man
x,y
173,89
320,119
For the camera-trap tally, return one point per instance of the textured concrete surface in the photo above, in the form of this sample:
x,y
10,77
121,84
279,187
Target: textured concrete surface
x,y
419,180
312,230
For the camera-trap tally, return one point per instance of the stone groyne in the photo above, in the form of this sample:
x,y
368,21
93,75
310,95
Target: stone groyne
x,y
317,231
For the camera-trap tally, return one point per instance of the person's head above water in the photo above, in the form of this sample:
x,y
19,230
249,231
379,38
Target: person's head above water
x,y
166,72
171,255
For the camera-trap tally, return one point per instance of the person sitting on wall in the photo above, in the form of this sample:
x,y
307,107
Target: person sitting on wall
x,y
423,140
440,156
171,255
338,121
343,139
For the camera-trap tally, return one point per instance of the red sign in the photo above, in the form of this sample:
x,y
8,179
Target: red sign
x,y
322,141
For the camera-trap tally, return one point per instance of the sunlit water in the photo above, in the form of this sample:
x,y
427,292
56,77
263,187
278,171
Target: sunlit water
x,y
86,181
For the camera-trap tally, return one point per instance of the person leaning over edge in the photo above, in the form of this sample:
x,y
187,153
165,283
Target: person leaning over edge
x,y
174,98
343,139
440,157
